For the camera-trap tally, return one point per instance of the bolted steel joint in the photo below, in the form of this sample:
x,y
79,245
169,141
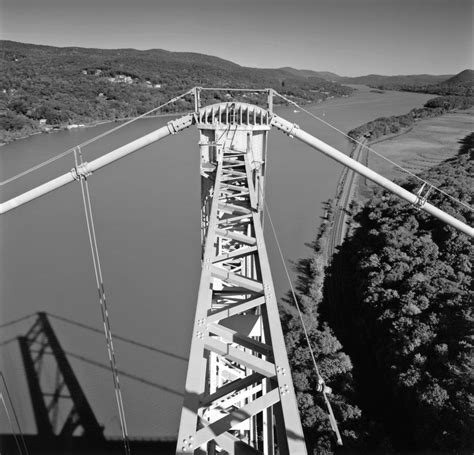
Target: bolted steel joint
x,y
175,126
284,125
187,444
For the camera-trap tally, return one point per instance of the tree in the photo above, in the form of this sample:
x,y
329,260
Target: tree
x,y
404,313
334,365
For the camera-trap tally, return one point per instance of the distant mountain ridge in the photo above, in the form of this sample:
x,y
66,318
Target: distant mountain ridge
x,y
461,84
395,82
327,75
465,78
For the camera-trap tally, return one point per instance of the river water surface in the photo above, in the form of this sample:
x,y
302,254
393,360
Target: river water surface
x,y
146,210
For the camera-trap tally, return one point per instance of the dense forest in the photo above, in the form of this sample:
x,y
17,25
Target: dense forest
x,y
391,322
334,364
397,123
61,86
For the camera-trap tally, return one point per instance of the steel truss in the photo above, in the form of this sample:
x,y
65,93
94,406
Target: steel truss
x,y
239,393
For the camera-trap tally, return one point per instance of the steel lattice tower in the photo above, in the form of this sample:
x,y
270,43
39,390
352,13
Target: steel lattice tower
x,y
239,396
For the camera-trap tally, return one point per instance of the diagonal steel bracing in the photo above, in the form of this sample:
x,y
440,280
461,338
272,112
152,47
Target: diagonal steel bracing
x,y
239,392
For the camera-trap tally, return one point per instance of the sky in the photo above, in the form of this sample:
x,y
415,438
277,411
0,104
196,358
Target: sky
x,y
348,37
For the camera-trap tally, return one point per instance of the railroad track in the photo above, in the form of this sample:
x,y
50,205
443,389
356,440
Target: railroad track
x,y
343,200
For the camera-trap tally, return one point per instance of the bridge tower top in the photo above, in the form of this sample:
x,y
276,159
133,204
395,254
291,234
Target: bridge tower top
x,y
242,116
234,126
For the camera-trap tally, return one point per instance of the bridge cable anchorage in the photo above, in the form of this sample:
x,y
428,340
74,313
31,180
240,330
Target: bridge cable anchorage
x,y
90,141
22,437
325,390
375,152
102,299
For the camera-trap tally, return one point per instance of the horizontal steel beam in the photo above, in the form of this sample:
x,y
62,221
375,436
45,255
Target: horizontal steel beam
x,y
235,337
238,280
230,352
236,308
235,417
232,387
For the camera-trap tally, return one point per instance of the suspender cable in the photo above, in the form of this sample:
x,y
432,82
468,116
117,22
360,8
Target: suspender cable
x,y
22,437
102,299
321,384
17,442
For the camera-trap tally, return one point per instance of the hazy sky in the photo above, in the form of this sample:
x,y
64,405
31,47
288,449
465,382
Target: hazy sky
x,y
349,37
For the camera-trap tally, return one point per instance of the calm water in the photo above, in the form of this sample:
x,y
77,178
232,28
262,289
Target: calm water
x,y
147,219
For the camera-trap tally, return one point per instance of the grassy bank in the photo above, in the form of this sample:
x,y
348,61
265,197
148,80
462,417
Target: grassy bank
x,y
426,144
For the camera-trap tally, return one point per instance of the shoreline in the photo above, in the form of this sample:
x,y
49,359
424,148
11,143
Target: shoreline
x,y
88,125
124,119
421,146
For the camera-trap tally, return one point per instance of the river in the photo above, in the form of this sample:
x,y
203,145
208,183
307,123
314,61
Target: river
x,y
146,211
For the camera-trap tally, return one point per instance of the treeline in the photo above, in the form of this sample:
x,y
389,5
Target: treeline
x,y
391,125
391,323
461,84
76,85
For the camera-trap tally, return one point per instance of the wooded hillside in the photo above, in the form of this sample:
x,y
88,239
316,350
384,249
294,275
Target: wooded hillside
x,y
77,85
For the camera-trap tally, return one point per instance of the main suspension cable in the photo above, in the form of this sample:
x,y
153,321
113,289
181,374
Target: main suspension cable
x,y
102,299
425,182
90,141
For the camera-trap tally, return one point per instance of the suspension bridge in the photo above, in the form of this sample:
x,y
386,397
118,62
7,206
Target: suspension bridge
x,y
239,396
